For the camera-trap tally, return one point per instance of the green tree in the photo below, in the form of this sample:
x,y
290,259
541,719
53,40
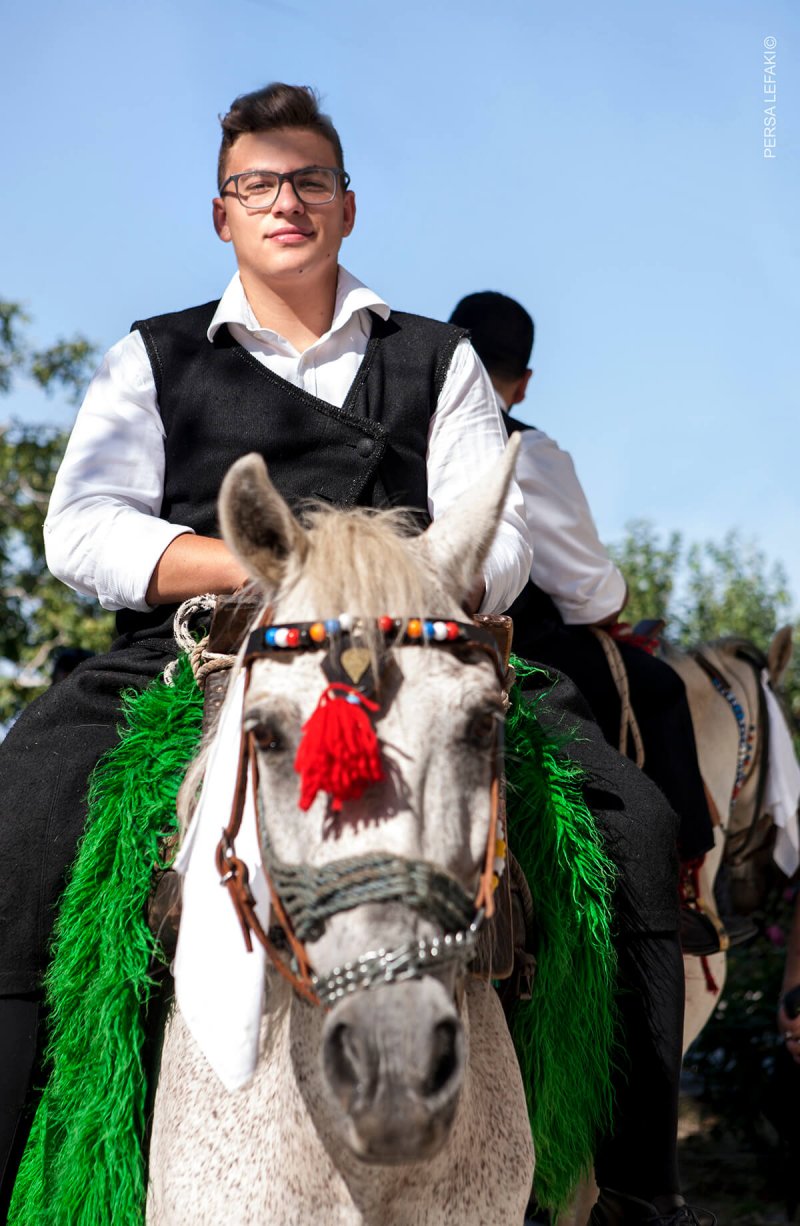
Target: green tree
x,y
40,614
707,590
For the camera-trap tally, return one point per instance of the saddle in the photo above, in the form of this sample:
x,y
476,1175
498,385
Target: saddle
x,y
506,941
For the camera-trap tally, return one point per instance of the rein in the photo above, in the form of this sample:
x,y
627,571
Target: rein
x,y
303,898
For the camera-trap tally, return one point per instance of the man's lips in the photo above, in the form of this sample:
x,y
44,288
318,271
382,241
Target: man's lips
x,y
289,235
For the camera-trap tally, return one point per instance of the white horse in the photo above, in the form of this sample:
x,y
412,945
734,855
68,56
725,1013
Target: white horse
x,y
403,1104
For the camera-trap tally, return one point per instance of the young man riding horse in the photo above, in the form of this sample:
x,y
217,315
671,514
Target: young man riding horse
x,y
575,584
348,401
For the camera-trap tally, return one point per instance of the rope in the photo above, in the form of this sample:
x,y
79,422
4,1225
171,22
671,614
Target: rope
x,y
203,661
628,723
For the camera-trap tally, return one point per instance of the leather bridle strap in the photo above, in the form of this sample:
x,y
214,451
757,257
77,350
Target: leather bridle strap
x,y
235,876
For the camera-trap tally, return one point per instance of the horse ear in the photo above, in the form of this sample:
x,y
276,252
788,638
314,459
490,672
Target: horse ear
x,y
779,655
256,523
457,543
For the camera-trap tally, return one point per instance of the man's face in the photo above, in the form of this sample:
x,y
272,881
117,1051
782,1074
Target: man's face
x,y
291,239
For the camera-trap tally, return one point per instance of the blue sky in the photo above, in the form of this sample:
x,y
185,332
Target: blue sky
x,y
602,163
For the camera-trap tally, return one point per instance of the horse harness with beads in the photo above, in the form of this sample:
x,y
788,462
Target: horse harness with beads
x,y
753,747
303,898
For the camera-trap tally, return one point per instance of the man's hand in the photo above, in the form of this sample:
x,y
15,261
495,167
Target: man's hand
x,y
192,565
474,597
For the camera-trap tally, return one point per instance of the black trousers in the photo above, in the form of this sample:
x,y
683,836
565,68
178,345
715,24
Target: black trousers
x,y
658,698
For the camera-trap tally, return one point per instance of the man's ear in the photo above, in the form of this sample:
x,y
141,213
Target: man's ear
x,y
349,213
221,219
521,388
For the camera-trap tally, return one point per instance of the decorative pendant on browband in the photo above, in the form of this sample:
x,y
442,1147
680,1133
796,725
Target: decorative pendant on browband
x,y
339,752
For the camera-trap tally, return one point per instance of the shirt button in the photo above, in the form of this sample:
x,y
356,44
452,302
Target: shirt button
x,y
365,446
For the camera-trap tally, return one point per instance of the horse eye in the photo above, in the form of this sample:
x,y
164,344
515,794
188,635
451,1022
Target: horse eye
x,y
266,737
481,728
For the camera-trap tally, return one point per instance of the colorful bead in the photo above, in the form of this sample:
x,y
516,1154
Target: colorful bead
x,y
317,632
452,630
439,631
414,628
386,624
292,637
270,637
281,636
332,625
346,621
427,628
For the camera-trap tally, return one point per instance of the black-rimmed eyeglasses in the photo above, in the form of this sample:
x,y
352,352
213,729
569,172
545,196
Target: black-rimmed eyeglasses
x,y
259,189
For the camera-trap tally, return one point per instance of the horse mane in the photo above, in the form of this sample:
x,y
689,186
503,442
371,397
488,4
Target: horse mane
x,y
726,644
364,561
738,645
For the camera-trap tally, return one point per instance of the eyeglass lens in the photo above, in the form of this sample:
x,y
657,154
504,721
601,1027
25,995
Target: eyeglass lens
x,y
259,188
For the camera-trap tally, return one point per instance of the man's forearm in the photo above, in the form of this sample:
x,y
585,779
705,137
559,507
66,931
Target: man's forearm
x,y
192,565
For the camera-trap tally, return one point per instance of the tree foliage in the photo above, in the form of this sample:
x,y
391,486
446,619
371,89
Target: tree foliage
x,y
40,614
707,590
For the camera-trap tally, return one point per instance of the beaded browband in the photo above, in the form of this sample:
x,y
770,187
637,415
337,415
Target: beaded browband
x,y
395,632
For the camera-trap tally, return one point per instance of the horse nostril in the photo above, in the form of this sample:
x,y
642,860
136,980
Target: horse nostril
x,y
445,1057
349,1065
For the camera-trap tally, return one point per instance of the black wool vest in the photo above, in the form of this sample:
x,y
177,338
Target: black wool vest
x,y
218,402
533,612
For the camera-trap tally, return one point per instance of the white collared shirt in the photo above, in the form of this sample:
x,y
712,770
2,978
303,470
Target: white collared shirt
x,y
103,534
570,562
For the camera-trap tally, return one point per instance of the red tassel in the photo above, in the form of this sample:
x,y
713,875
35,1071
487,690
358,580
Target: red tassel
x,y
339,752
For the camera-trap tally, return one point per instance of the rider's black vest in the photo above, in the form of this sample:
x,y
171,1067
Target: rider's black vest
x,y
218,402
533,612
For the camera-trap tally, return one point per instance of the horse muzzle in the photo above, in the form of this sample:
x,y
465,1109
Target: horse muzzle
x,y
393,1062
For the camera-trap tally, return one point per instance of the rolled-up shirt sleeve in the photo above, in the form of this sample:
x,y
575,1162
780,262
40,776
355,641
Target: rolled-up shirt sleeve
x,y
103,535
570,562
466,434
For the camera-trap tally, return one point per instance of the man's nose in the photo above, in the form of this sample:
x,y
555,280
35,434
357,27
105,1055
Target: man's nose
x,y
287,200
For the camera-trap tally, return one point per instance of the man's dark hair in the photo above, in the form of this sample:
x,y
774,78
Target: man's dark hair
x,y
501,331
275,106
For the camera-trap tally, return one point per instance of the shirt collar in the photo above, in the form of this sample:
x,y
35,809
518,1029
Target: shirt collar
x,y
351,296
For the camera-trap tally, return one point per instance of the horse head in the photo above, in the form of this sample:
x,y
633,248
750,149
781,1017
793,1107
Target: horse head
x,y
388,880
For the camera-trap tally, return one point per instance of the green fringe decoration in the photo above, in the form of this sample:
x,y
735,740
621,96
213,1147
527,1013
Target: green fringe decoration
x,y
84,1165
564,1035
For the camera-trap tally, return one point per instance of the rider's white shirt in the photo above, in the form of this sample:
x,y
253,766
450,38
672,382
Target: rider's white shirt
x,y
103,536
570,562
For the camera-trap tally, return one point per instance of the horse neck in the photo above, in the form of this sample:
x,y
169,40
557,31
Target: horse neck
x,y
743,681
